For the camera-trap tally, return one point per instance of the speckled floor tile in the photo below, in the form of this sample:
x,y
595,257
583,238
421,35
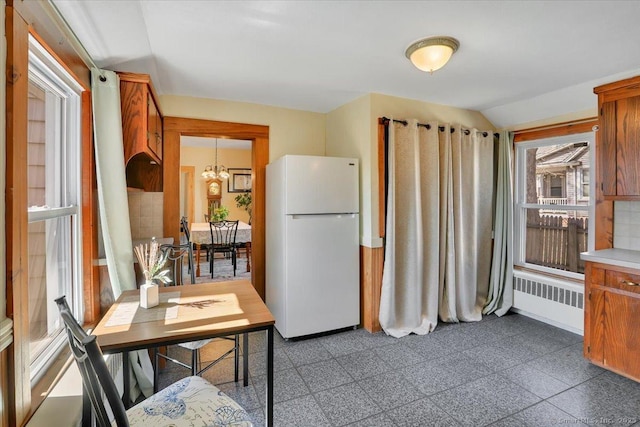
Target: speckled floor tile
x,y
323,375
435,376
390,390
535,381
287,385
303,411
484,401
542,414
363,364
346,404
306,352
421,413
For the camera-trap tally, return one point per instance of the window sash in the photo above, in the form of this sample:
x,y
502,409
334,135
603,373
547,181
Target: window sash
x,y
521,206
61,239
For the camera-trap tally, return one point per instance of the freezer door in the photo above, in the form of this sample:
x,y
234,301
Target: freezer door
x,y
316,185
323,272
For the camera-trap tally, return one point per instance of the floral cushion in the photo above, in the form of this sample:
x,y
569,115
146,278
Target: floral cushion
x,y
192,401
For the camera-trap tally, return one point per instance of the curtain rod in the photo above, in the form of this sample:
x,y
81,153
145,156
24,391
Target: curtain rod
x,y
62,24
386,121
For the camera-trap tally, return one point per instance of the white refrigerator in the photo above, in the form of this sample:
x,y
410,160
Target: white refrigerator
x,y
312,247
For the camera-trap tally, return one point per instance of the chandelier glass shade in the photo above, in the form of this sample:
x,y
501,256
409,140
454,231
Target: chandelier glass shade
x,y
215,171
432,53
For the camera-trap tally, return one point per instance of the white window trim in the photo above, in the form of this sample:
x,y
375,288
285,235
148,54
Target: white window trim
x,y
520,206
45,69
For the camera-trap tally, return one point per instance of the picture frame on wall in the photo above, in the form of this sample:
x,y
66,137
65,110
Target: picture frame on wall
x,y
239,181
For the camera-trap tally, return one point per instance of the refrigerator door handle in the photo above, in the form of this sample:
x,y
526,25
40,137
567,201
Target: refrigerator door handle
x,y
332,215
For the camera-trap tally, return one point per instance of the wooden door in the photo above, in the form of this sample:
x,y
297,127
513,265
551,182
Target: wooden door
x,y
622,334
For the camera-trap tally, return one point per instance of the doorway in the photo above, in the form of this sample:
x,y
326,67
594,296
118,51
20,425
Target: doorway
x,y
176,127
187,196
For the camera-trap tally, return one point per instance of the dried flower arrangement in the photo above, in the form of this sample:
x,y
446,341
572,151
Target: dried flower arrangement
x,y
151,260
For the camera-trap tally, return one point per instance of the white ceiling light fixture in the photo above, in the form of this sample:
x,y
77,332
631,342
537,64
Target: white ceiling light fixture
x,y
432,53
213,172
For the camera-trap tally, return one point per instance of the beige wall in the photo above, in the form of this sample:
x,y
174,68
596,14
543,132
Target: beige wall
x,y
349,135
290,131
353,130
199,157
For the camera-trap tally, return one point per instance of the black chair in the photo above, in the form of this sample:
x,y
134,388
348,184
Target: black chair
x,y
184,226
223,240
177,254
198,400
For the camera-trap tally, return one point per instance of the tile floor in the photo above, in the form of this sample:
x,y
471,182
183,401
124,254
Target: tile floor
x,y
509,371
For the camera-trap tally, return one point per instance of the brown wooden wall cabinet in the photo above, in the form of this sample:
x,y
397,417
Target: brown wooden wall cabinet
x,y
619,109
611,332
141,132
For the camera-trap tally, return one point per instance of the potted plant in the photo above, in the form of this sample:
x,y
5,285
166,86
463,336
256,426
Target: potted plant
x,y
219,214
244,201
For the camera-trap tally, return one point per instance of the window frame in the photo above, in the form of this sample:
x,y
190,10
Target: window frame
x,y
521,206
64,121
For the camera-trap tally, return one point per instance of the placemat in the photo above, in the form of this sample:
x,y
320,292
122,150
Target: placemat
x,y
129,310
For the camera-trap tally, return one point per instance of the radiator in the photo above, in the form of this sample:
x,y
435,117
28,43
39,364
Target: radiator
x,y
550,300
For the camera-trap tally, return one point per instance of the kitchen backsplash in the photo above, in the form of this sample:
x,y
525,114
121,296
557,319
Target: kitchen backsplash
x,y
145,214
626,225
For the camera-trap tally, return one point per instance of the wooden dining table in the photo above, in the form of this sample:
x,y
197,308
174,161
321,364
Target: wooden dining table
x,y
188,313
200,234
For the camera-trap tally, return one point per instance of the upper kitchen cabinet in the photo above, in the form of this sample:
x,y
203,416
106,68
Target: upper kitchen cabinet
x,y
141,132
618,147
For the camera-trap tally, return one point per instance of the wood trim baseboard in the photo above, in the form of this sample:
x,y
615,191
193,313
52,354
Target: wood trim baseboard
x,y
371,263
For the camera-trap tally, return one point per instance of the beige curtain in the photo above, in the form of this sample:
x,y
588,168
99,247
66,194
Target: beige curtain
x,y
439,218
114,206
409,299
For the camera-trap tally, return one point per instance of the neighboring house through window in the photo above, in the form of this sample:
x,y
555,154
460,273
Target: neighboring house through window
x,y
553,203
54,231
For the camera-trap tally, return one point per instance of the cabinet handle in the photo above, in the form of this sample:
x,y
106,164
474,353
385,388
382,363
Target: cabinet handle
x,y
630,283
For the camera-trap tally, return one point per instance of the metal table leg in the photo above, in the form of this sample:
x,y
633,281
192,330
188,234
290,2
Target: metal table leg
x,y
245,359
269,408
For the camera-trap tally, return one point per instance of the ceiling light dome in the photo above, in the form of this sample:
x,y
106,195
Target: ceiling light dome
x,y
432,53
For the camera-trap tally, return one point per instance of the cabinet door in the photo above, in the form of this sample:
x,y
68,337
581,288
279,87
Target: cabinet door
x,y
152,126
594,326
622,334
621,147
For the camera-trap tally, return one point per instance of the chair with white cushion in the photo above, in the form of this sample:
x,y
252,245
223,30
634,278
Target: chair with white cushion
x,y
188,402
176,254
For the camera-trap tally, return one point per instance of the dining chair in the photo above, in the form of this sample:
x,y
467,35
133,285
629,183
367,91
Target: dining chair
x,y
176,257
187,402
184,225
177,254
223,240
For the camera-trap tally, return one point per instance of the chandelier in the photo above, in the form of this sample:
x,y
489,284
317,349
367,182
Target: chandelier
x,y
213,172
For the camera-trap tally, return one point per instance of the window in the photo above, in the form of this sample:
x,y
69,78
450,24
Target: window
x,y
553,203
584,183
54,230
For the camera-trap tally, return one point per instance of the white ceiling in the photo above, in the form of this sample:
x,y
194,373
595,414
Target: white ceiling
x,y
519,61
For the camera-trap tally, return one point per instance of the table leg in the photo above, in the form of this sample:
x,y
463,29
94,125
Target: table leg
x,y
197,259
269,408
126,381
247,251
245,359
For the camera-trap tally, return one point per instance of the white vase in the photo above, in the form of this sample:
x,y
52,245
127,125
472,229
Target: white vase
x,y
149,295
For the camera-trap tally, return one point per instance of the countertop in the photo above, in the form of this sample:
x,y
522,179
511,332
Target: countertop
x,y
618,257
